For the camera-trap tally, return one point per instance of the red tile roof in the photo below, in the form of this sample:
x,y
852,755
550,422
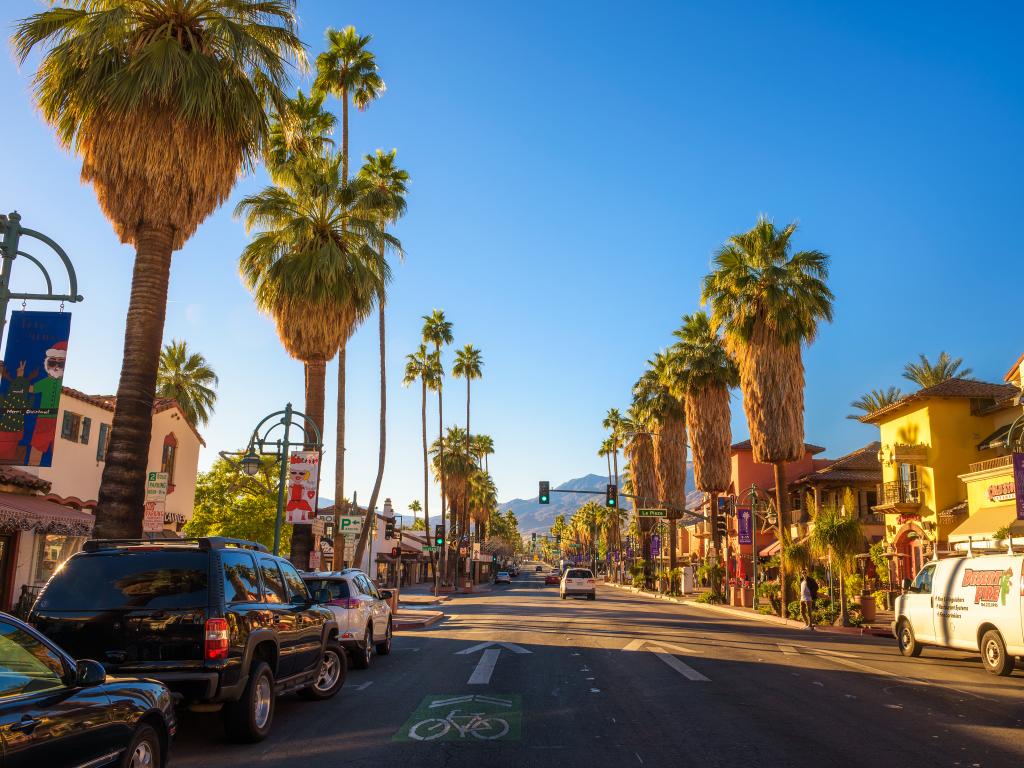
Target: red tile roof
x,y
108,402
21,479
857,466
960,388
744,445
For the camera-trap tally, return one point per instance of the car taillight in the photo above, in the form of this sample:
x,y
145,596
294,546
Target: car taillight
x,y
347,602
590,581
215,646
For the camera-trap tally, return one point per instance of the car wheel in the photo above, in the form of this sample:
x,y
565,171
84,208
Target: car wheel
x,y
592,596
563,595
383,649
993,654
332,674
144,749
249,719
363,654
908,643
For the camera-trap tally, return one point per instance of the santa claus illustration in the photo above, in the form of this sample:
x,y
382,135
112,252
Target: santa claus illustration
x,y
48,389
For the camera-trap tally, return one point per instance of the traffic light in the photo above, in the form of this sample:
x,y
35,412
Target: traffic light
x,y
395,551
534,535
438,536
611,495
723,525
544,496
389,528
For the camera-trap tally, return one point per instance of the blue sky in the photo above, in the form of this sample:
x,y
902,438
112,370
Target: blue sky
x,y
574,165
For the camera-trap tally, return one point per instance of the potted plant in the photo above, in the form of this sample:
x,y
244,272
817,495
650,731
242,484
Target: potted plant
x,y
860,597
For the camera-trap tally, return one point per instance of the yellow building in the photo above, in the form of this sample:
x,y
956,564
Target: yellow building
x,y
930,438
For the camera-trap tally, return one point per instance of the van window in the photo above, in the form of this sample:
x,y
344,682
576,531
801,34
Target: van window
x,y
923,582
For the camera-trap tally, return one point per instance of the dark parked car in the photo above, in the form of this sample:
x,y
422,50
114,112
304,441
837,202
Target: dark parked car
x,y
58,712
223,623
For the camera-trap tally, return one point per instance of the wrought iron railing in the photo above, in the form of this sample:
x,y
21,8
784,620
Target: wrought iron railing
x,y
895,492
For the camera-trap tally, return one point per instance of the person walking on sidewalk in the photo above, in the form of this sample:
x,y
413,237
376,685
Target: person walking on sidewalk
x,y
808,594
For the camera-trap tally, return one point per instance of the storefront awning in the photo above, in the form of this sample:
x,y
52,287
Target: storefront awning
x,y
34,513
986,521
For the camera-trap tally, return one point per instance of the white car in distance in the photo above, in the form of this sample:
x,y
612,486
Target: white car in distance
x,y
502,578
578,581
362,611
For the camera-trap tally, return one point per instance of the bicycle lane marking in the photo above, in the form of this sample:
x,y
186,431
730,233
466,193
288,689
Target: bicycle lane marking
x,y
472,718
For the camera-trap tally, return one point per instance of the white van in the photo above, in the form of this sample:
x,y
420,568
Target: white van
x,y
969,603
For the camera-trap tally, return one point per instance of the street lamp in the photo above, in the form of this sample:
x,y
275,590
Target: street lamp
x,y
760,503
261,444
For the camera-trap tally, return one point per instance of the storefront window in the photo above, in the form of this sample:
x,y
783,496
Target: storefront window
x,y
51,551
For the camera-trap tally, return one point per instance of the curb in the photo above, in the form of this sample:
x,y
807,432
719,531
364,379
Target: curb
x,y
419,622
751,616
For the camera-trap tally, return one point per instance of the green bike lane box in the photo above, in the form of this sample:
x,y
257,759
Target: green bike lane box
x,y
472,718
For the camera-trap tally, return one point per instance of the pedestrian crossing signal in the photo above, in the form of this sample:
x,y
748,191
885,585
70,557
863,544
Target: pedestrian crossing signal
x,y
544,495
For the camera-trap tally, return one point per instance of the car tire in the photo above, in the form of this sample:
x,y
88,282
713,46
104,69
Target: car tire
x,y
563,596
384,649
592,596
993,654
363,654
144,750
332,673
906,639
249,719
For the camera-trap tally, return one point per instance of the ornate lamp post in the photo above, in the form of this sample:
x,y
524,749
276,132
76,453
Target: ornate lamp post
x,y
261,444
761,505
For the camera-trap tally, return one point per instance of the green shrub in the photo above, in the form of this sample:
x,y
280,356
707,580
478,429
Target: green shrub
x,y
710,597
854,584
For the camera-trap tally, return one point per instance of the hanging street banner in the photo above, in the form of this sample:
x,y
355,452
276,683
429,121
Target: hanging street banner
x,y
30,385
655,545
303,478
156,501
1018,480
744,517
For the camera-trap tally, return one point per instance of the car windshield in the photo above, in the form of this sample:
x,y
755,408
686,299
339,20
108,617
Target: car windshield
x,y
338,588
579,573
129,579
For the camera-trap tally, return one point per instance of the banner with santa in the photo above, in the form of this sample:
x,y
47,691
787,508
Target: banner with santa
x,y
303,479
31,381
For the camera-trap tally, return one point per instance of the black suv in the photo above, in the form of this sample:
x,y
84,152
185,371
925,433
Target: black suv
x,y
220,621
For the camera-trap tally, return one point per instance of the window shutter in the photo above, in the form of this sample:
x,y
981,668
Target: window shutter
x,y
86,424
101,442
67,426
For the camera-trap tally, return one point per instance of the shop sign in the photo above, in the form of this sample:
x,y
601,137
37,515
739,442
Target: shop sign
x,y
1018,479
303,479
1002,491
176,518
910,517
744,517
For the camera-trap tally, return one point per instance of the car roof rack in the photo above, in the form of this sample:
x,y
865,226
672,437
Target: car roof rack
x,y
204,542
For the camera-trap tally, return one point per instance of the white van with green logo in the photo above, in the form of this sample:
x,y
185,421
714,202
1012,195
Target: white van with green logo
x,y
970,603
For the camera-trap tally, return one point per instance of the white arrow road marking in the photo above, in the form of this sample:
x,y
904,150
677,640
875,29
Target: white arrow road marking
x,y
485,667
480,646
661,650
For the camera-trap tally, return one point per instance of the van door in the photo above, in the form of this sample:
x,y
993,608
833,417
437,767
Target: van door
x,y
919,605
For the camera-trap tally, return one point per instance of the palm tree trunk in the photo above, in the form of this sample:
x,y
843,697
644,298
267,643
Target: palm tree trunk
x,y
673,535
426,468
340,507
440,464
123,485
315,382
364,534
782,504
844,614
618,527
465,499
344,135
609,457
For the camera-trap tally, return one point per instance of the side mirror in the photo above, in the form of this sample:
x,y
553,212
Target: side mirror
x,y
386,594
907,585
321,596
89,673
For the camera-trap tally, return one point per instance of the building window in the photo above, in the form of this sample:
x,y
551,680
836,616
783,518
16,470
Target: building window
x,y
168,457
51,551
101,442
71,427
86,426
908,483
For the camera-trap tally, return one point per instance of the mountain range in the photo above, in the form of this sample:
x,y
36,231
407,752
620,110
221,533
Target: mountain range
x,y
536,517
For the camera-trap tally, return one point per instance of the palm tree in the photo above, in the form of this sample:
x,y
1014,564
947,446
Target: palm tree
x,y
455,464
875,400
704,377
769,302
438,331
483,447
838,537
483,500
618,428
606,450
312,269
383,200
414,507
656,390
639,451
165,102
469,366
187,377
301,130
925,374
423,366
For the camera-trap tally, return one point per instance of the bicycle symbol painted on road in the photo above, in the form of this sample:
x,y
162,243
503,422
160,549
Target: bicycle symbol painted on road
x,y
464,718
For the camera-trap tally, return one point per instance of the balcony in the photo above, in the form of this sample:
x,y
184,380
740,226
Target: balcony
x,y
998,463
898,497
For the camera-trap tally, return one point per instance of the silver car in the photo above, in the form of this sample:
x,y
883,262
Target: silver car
x,y
362,611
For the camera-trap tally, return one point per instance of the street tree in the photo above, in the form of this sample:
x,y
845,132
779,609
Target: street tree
x,y
927,374
188,378
423,366
875,400
769,302
166,104
469,366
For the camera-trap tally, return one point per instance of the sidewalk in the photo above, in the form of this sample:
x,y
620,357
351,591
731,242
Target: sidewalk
x,y
417,619
752,615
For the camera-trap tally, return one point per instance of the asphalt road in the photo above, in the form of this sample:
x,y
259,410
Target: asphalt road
x,y
629,680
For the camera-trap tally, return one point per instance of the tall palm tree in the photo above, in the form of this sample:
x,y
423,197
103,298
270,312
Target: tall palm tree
x,y
639,451
618,427
928,374
451,460
838,537
656,389
301,130
349,71
769,302
875,400
469,366
187,377
606,450
483,501
483,447
166,103
384,200
423,366
438,331
704,376
311,267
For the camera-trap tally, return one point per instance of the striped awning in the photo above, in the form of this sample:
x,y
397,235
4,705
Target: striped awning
x,y
34,513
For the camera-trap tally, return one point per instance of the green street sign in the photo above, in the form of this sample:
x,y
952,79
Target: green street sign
x,y
652,512
430,548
